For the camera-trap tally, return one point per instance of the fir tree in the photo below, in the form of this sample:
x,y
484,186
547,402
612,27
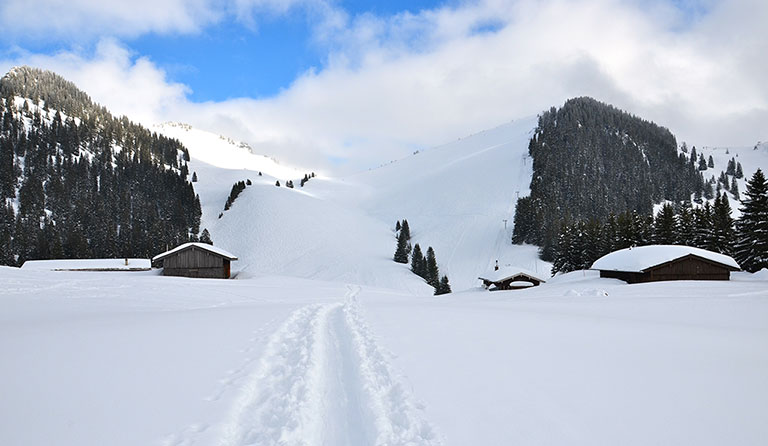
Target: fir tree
x,y
443,287
397,226
194,177
433,274
277,183
739,172
664,226
702,162
751,247
735,188
722,226
401,254
686,231
418,262
205,237
703,226
406,229
711,162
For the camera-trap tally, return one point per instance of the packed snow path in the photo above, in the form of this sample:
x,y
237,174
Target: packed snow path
x,y
324,381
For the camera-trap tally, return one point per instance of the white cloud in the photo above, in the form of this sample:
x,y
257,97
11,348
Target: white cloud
x,y
114,77
395,83
79,20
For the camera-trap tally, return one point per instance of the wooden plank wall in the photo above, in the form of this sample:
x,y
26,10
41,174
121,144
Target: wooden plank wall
x,y
196,262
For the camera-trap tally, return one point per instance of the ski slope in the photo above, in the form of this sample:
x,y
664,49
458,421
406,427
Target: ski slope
x,y
455,197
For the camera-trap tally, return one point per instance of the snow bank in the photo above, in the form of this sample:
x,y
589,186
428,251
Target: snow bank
x,y
88,265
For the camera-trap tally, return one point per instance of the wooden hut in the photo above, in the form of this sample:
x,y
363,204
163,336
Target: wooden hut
x,y
510,278
665,262
196,260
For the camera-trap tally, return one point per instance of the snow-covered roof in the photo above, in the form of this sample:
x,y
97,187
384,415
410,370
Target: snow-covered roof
x,y
87,265
640,258
205,246
509,271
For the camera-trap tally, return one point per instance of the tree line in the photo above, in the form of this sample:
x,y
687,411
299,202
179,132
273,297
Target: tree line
x,y
709,227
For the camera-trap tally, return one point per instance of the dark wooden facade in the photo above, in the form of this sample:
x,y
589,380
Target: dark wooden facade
x,y
690,267
195,261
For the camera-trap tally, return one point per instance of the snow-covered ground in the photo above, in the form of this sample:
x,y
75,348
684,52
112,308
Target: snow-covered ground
x,y
137,358
323,340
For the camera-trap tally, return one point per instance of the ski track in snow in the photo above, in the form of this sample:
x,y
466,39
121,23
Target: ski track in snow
x,y
323,380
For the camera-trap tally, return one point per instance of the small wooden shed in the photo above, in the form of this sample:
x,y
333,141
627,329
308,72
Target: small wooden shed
x,y
510,278
196,260
665,262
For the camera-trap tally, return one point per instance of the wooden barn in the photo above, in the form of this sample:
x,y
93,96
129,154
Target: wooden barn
x,y
196,260
510,278
665,262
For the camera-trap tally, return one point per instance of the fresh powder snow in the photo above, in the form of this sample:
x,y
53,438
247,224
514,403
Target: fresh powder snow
x,y
323,340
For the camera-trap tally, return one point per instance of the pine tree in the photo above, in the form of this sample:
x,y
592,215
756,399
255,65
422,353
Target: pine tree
x,y
205,237
433,274
739,172
722,226
664,226
751,247
418,262
703,227
194,177
443,287
277,183
401,254
735,188
702,162
406,229
397,226
711,162
686,231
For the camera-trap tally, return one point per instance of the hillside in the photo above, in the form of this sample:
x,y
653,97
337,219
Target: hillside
x,y
454,196
77,182
590,160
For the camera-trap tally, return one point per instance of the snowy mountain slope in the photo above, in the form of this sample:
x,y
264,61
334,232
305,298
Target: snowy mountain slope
x,y
751,159
454,196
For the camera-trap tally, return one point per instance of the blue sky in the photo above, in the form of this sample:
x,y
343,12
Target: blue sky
x,y
230,58
359,83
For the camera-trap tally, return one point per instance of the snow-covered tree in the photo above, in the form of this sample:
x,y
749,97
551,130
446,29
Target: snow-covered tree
x,y
751,247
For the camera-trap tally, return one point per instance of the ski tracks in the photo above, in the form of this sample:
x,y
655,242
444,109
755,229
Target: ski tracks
x,y
323,380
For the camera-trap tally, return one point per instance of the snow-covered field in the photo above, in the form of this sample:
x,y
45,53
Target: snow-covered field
x,y
322,339
140,359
